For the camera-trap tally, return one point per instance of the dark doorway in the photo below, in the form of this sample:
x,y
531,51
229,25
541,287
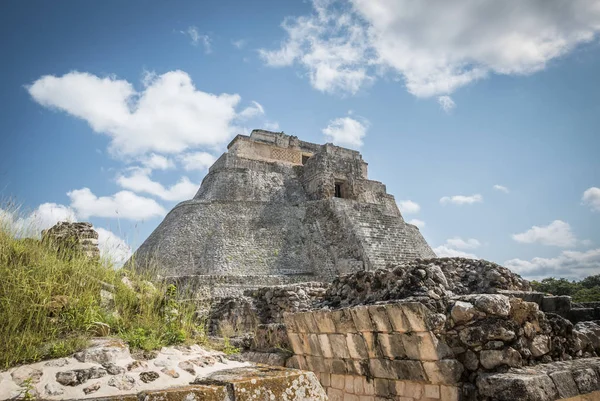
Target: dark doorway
x,y
305,159
338,190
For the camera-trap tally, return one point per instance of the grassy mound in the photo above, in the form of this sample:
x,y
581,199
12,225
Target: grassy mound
x,y
51,304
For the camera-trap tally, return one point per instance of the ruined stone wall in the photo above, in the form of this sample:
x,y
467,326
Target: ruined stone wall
x,y
383,352
73,237
474,347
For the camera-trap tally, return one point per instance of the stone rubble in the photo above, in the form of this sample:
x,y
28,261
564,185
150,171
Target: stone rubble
x,y
107,368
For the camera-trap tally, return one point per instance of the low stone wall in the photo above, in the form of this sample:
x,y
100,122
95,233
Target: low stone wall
x,y
263,306
384,351
568,380
437,349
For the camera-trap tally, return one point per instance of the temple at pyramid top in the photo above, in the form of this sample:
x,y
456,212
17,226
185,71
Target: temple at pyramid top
x,y
274,210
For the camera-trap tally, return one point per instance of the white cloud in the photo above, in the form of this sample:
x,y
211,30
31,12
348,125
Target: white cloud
x,y
444,251
591,198
139,181
253,111
198,39
417,222
569,264
501,188
157,162
123,204
169,116
346,131
43,217
454,247
446,103
557,233
112,247
460,243
271,126
461,199
408,207
435,47
239,43
197,161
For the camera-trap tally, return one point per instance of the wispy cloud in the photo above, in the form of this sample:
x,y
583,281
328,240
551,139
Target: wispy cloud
x,y
446,103
199,39
461,199
501,188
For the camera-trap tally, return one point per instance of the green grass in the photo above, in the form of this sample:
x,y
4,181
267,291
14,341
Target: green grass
x,y
50,304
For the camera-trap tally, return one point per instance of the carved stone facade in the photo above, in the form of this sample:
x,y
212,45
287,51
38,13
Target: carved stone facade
x,y
278,210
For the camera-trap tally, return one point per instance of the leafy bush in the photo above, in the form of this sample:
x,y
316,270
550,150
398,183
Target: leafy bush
x,y
586,290
51,304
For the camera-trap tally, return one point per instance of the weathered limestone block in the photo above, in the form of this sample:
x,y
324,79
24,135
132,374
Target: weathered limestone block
x,y
357,347
492,304
565,385
380,318
425,346
463,312
491,359
339,345
324,321
362,318
409,370
522,387
343,321
391,345
408,317
586,380
446,371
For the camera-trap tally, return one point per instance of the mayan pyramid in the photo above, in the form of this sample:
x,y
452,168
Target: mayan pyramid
x,y
275,210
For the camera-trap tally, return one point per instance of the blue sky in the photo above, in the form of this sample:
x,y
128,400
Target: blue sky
x,y
480,117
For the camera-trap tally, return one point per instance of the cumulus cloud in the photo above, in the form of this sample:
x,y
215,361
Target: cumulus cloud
x,y
446,103
157,162
43,217
444,251
139,181
168,116
591,198
112,247
460,243
198,39
501,188
454,247
569,264
461,199
557,233
417,222
408,207
197,161
435,48
123,204
346,131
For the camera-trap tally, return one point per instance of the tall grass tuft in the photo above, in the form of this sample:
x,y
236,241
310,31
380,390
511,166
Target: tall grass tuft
x,y
51,303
